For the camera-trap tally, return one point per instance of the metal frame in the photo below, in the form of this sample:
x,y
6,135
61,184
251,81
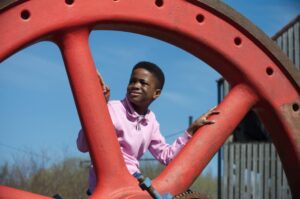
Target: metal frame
x,y
261,76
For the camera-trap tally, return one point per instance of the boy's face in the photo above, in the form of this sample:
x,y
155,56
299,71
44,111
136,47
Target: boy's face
x,y
142,88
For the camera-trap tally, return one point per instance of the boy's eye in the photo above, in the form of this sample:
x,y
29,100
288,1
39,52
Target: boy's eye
x,y
132,81
143,82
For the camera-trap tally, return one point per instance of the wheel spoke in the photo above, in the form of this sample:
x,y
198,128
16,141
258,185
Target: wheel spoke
x,y
11,193
91,106
206,142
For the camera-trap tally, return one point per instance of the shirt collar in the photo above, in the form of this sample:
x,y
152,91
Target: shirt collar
x,y
133,116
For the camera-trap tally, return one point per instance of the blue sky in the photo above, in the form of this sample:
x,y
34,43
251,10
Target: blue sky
x,y
38,113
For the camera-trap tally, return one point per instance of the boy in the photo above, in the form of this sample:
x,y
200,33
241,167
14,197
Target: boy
x,y
136,126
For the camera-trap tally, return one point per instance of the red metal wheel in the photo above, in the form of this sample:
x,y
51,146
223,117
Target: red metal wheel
x,y
261,76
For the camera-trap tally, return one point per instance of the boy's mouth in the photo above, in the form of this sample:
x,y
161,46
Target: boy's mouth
x,y
134,93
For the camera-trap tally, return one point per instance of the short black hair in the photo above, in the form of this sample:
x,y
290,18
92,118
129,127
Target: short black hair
x,y
154,69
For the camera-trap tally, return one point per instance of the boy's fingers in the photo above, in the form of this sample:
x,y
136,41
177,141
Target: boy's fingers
x,y
206,115
209,121
100,78
214,112
212,108
106,88
205,122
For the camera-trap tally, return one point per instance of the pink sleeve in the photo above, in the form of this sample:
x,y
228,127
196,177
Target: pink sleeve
x,y
81,142
164,152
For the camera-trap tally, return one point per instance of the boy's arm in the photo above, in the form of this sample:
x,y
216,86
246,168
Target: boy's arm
x,y
201,121
163,151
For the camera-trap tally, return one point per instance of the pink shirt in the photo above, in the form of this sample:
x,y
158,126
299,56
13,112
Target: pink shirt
x,y
136,134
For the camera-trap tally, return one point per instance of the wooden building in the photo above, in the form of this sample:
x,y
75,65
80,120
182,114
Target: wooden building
x,y
248,164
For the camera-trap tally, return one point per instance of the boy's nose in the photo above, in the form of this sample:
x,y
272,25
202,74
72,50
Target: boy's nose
x,y
136,85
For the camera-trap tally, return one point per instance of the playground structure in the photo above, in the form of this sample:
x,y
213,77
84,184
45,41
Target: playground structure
x,y
262,79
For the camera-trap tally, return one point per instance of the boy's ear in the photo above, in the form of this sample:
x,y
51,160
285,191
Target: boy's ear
x,y
157,93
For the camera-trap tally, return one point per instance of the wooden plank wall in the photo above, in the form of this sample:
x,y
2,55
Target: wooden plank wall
x,y
289,42
253,171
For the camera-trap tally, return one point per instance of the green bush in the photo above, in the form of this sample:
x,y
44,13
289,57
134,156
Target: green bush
x,y
68,177
205,183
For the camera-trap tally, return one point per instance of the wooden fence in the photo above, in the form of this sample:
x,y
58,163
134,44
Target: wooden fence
x,y
253,171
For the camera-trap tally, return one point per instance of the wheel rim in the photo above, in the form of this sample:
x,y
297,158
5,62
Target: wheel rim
x,y
261,76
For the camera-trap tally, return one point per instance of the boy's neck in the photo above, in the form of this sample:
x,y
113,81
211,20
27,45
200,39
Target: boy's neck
x,y
141,110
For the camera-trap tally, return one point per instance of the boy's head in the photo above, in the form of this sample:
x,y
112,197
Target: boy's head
x,y
145,85
155,70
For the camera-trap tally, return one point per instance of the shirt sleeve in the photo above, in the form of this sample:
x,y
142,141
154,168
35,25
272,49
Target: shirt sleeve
x,y
164,152
81,142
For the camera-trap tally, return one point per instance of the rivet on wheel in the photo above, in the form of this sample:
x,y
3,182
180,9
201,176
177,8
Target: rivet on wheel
x,y
200,18
25,14
159,3
295,107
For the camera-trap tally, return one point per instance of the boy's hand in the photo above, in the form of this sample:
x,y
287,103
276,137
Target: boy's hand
x,y
202,120
106,92
106,89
